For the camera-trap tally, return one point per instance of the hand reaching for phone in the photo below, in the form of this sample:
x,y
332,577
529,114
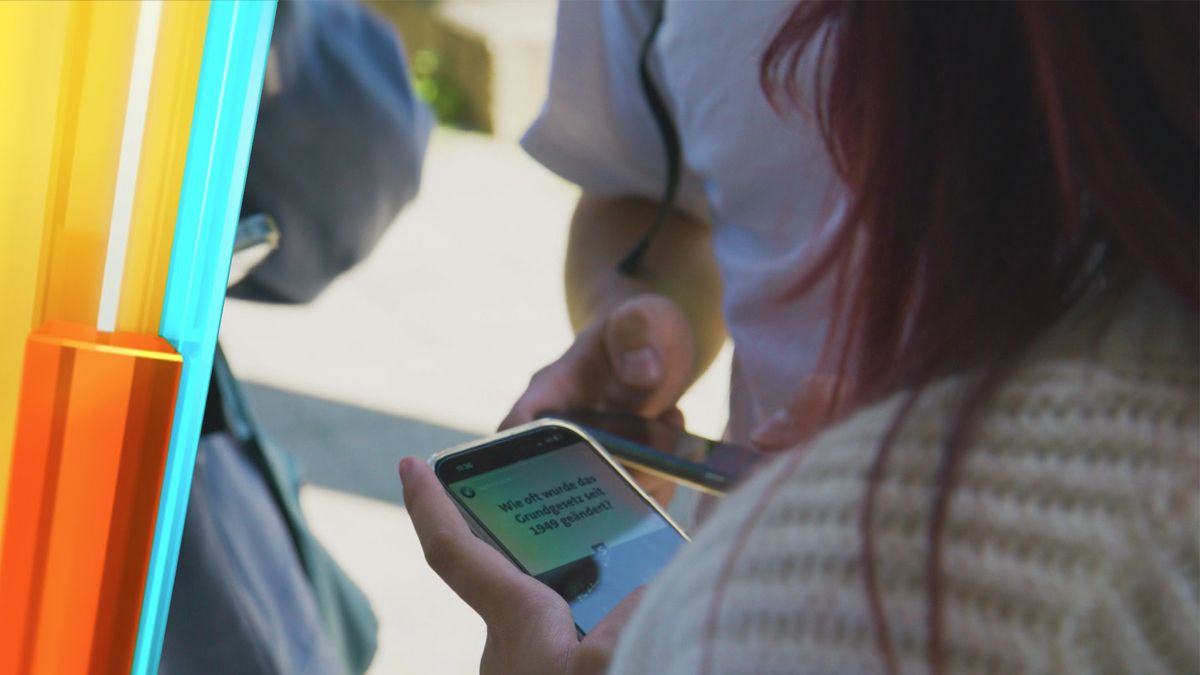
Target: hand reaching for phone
x,y
529,626
636,358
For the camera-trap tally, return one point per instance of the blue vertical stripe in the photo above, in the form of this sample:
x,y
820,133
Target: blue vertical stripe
x,y
231,76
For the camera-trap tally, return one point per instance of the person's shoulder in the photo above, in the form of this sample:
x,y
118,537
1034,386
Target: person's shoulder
x,y
1112,386
1076,500
1069,536
1107,401
1087,455
1079,499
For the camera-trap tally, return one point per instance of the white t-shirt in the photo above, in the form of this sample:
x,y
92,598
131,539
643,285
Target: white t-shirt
x,y
762,180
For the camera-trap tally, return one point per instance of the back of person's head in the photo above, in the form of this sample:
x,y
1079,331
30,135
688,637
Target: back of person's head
x,y
991,152
987,149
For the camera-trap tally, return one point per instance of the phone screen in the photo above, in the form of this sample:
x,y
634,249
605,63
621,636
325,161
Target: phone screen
x,y
564,515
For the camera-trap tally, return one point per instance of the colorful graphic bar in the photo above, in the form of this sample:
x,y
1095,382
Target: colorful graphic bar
x,y
89,93
92,433
125,132
231,78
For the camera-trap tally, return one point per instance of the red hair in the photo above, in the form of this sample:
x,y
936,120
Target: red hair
x,y
991,152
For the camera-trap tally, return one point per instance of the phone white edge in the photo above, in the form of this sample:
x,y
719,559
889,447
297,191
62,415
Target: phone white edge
x,y
478,528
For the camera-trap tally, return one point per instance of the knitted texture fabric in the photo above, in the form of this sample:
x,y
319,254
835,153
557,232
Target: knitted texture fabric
x,y
1070,545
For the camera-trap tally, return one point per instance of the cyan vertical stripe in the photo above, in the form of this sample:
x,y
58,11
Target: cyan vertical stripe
x,y
231,77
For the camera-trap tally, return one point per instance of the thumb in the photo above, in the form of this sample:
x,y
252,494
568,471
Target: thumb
x,y
815,405
651,351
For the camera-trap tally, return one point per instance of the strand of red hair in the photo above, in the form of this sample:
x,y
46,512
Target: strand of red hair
x,y
988,151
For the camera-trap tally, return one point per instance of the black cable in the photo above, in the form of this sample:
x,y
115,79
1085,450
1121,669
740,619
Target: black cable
x,y
670,139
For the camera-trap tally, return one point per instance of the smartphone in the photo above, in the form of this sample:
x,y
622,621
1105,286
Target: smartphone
x,y
663,450
551,499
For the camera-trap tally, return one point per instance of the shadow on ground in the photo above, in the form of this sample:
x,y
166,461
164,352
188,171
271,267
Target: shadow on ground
x,y
345,447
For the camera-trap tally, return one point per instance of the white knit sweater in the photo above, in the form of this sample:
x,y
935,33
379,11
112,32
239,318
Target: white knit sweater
x,y
1071,544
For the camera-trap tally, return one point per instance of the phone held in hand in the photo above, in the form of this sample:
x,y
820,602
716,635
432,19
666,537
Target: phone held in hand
x,y
657,448
551,499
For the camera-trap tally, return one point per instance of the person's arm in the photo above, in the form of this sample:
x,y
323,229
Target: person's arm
x,y
679,266
640,340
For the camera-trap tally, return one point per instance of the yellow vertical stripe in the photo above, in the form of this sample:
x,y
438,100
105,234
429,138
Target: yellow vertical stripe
x,y
164,150
32,39
73,54
88,147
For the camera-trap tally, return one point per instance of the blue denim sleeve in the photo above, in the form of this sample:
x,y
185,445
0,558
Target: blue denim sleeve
x,y
338,147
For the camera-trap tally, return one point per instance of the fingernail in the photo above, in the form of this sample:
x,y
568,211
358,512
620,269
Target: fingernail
x,y
773,433
641,367
405,467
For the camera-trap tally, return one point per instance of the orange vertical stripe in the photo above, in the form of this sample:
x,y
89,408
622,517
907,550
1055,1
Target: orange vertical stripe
x,y
93,431
40,423
143,458
83,507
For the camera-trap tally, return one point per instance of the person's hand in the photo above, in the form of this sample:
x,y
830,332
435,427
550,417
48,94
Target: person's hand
x,y
637,358
529,626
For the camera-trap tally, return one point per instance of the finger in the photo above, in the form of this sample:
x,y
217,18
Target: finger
x,y
597,647
673,417
633,348
778,432
548,391
650,350
480,575
572,382
659,488
813,407
515,418
522,412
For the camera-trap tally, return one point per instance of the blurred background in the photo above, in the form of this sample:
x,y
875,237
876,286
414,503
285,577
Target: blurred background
x,y
428,342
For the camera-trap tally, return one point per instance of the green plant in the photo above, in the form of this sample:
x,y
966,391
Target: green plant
x,y
435,88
